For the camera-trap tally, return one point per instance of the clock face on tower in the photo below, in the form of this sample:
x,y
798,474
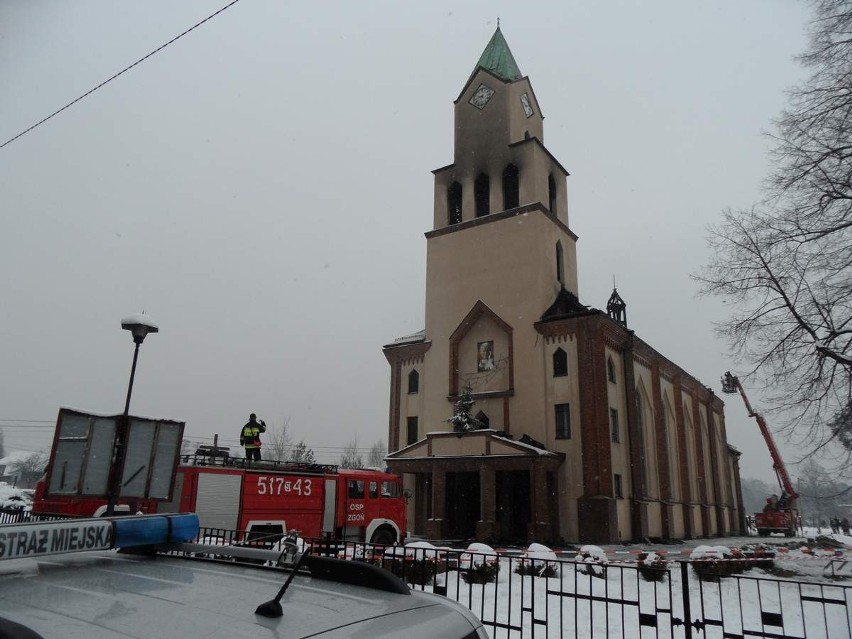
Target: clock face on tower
x,y
482,96
525,101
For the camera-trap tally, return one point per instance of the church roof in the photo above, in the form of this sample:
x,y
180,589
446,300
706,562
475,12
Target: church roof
x,y
565,305
498,59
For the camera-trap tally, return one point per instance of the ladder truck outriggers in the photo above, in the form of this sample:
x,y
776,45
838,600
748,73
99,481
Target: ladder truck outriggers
x,y
780,515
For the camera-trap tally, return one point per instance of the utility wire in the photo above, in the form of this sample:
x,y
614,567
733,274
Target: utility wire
x,y
108,80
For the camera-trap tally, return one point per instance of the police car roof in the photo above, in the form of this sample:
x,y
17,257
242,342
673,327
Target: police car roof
x,y
109,594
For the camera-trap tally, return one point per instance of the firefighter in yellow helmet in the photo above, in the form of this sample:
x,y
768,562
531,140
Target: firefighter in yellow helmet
x,y
250,437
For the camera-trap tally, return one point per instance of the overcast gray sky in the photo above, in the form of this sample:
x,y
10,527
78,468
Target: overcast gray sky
x,y
261,188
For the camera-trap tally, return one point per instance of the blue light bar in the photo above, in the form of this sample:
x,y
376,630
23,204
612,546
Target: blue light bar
x,y
149,530
103,533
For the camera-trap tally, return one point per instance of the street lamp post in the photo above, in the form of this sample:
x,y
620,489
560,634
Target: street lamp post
x,y
139,326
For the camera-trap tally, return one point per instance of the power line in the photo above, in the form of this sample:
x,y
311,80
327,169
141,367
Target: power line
x,y
126,69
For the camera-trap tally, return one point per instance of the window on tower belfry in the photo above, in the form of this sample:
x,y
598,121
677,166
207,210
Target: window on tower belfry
x,y
560,264
454,203
482,195
413,382
551,192
511,187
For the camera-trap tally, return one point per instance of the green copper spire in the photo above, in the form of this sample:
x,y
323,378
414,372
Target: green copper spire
x,y
498,59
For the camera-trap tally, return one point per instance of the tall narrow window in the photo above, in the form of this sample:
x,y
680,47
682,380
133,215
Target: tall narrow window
x,y
482,195
411,428
413,382
560,263
617,487
511,187
454,203
560,363
613,425
610,370
563,421
551,192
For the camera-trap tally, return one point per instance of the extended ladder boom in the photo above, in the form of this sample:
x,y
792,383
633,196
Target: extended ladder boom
x,y
731,384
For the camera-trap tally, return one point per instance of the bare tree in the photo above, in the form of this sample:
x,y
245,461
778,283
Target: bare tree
x,y
785,264
376,455
277,443
351,457
29,469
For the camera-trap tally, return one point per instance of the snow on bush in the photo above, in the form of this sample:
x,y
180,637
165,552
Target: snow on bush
x,y
710,552
14,497
477,554
591,554
538,561
594,560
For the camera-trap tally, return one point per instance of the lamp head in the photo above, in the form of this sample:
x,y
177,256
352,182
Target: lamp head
x,y
139,326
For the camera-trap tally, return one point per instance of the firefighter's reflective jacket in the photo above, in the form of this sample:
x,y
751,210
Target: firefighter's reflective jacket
x,y
250,434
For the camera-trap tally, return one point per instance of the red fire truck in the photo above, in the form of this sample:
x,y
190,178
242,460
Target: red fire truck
x,y
270,498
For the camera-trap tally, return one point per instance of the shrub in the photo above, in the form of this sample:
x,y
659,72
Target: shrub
x,y
484,573
652,567
711,563
533,569
538,561
412,571
592,561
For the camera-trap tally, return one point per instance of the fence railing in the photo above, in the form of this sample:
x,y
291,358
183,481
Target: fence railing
x,y
518,597
21,516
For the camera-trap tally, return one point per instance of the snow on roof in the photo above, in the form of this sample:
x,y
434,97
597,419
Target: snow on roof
x,y
419,336
533,449
98,413
140,318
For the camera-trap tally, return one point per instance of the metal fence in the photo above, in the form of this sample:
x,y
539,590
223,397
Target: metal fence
x,y
517,597
22,516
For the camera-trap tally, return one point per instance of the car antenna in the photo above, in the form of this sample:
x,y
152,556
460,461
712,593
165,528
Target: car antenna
x,y
292,555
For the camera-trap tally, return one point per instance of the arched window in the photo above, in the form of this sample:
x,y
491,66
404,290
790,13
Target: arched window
x,y
551,191
482,418
454,203
413,382
511,187
560,263
482,195
610,369
560,363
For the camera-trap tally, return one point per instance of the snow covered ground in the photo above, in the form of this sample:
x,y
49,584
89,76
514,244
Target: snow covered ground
x,y
596,596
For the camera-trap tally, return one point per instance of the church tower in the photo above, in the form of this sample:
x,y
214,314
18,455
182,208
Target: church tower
x,y
500,249
518,413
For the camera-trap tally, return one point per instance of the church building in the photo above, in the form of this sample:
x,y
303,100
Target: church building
x,y
578,430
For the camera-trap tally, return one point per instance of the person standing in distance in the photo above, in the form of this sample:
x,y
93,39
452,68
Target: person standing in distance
x,y
250,437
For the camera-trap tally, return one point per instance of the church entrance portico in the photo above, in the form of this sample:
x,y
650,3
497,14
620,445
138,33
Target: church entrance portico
x,y
498,490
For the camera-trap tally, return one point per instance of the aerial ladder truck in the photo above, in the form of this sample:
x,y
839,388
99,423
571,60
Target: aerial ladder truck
x,y
780,514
